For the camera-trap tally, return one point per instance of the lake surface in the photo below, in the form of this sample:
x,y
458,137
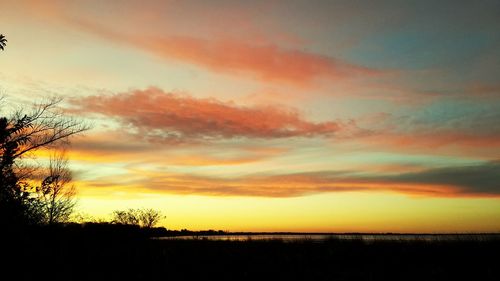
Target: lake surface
x,y
325,237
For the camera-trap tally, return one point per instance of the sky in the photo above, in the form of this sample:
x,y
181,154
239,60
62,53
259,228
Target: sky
x,y
320,116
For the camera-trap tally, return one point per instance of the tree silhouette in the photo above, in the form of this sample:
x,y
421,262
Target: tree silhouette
x,y
141,217
20,134
150,217
128,217
55,194
3,42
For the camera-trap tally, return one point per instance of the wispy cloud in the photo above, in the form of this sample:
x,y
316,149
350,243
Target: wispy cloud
x,y
438,127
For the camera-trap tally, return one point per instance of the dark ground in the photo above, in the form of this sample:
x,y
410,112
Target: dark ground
x,y
114,253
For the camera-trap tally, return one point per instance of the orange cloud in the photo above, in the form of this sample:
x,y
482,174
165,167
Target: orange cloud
x,y
159,116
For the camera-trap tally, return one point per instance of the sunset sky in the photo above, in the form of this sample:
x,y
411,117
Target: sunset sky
x,y
325,116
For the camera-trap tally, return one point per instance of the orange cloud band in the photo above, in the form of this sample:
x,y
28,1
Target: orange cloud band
x,y
157,115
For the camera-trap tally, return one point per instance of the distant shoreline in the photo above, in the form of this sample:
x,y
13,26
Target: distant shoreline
x,y
363,233
318,237
203,232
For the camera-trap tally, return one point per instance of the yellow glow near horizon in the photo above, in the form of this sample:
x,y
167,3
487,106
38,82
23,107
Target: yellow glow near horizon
x,y
338,212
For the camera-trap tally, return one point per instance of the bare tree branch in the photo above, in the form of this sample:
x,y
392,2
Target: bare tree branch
x,y
142,217
55,194
44,126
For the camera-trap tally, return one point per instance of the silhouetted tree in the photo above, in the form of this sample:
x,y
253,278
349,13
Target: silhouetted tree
x,y
129,217
14,200
55,195
3,42
140,217
21,133
150,217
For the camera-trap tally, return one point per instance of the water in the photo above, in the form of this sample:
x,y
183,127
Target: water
x,y
324,237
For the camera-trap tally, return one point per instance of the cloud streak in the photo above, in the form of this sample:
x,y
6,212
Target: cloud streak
x,y
156,115
444,130
265,62
481,179
114,148
463,181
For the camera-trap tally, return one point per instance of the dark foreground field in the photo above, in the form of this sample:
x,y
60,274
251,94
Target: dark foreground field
x,y
93,254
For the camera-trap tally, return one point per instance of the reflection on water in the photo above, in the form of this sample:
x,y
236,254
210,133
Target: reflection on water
x,y
326,237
